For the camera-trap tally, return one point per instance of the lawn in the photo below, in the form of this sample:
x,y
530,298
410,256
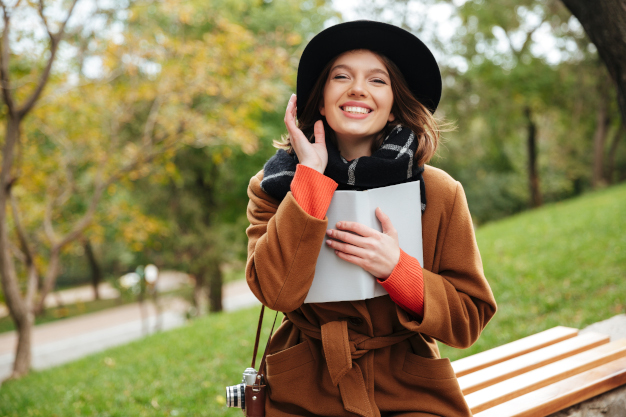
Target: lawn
x,y
563,264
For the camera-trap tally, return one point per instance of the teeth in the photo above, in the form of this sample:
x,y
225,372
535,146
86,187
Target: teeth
x,y
359,110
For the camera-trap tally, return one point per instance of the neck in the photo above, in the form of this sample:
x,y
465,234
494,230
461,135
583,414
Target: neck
x,y
351,148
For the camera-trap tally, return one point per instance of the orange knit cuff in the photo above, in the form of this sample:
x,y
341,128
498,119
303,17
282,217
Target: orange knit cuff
x,y
312,190
405,285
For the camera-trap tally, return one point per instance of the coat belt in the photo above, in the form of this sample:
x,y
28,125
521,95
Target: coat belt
x,y
341,346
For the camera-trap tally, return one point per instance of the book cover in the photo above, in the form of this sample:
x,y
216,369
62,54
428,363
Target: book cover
x,y
339,280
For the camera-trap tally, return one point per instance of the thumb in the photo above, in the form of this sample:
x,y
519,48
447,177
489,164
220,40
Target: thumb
x,y
385,222
320,134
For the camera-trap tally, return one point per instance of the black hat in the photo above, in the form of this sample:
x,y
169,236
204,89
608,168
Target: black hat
x,y
412,57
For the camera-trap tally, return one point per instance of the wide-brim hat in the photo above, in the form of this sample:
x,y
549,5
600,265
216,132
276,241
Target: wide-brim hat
x,y
412,57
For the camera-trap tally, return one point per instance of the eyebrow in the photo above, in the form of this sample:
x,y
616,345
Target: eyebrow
x,y
373,70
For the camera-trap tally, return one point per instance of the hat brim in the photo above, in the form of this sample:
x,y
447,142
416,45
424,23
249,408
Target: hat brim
x,y
413,58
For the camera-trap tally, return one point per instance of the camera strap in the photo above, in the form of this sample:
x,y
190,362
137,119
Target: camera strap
x,y
255,394
267,345
256,343
258,336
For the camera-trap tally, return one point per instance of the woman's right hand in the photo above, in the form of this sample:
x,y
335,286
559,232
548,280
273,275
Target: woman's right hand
x,y
312,155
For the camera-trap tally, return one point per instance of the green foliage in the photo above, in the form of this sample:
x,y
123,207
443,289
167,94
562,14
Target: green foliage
x,y
179,76
562,264
199,194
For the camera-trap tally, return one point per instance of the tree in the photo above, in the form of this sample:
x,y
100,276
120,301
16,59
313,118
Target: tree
x,y
157,89
20,308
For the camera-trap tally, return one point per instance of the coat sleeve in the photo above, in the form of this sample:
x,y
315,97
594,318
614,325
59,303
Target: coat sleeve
x,y
458,302
284,242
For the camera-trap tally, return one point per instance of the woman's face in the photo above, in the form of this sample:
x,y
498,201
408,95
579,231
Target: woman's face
x,y
357,97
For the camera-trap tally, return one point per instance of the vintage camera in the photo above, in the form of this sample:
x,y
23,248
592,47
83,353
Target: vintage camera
x,y
236,394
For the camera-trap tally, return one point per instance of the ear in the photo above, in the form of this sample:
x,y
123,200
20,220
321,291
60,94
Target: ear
x,y
322,110
391,117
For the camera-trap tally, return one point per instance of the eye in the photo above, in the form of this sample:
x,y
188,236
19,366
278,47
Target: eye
x,y
339,77
378,80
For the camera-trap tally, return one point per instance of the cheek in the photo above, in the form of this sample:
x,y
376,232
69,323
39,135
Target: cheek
x,y
385,103
388,100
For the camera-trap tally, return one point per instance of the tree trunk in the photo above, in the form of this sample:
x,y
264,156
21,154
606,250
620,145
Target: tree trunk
x,y
215,287
23,356
96,271
18,307
603,121
605,24
199,292
610,165
533,177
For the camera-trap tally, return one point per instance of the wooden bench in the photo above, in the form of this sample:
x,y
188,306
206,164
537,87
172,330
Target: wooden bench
x,y
541,374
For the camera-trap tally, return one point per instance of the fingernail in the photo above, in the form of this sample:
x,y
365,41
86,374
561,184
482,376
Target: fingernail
x,y
329,232
328,242
292,96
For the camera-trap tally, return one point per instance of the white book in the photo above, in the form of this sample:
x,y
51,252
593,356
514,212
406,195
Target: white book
x,y
339,280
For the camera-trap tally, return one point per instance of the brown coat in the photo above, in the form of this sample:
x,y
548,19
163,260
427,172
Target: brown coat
x,y
370,357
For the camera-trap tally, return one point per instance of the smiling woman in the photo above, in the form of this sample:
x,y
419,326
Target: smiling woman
x,y
369,91
357,101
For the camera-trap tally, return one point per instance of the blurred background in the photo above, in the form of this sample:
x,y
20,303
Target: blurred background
x,y
130,131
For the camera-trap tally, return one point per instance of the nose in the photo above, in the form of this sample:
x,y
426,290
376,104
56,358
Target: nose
x,y
357,89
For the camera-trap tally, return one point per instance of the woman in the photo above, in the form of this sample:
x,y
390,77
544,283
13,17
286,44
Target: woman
x,y
368,91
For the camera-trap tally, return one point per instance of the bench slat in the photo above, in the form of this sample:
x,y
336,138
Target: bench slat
x,y
533,360
563,394
546,375
511,350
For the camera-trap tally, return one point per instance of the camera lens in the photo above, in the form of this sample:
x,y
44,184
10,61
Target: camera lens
x,y
236,396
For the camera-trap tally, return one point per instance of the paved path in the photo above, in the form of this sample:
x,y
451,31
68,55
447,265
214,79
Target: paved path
x,y
237,295
168,281
72,338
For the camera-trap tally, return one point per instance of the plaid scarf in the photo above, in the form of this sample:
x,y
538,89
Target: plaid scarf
x,y
391,164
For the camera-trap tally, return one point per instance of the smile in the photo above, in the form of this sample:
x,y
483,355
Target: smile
x,y
355,110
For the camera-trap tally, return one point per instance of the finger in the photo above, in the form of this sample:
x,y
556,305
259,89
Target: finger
x,y
347,237
320,135
351,258
290,112
385,222
290,122
347,248
357,228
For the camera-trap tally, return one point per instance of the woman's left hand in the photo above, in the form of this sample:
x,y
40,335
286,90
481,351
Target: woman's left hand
x,y
377,253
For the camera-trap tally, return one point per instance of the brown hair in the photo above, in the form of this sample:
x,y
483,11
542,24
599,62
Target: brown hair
x,y
408,111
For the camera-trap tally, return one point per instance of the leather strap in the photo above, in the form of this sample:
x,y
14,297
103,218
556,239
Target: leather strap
x,y
262,366
258,335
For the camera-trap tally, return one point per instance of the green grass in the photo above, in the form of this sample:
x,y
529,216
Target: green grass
x,y
564,264
182,372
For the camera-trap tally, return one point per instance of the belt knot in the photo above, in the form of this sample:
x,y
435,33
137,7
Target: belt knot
x,y
341,346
